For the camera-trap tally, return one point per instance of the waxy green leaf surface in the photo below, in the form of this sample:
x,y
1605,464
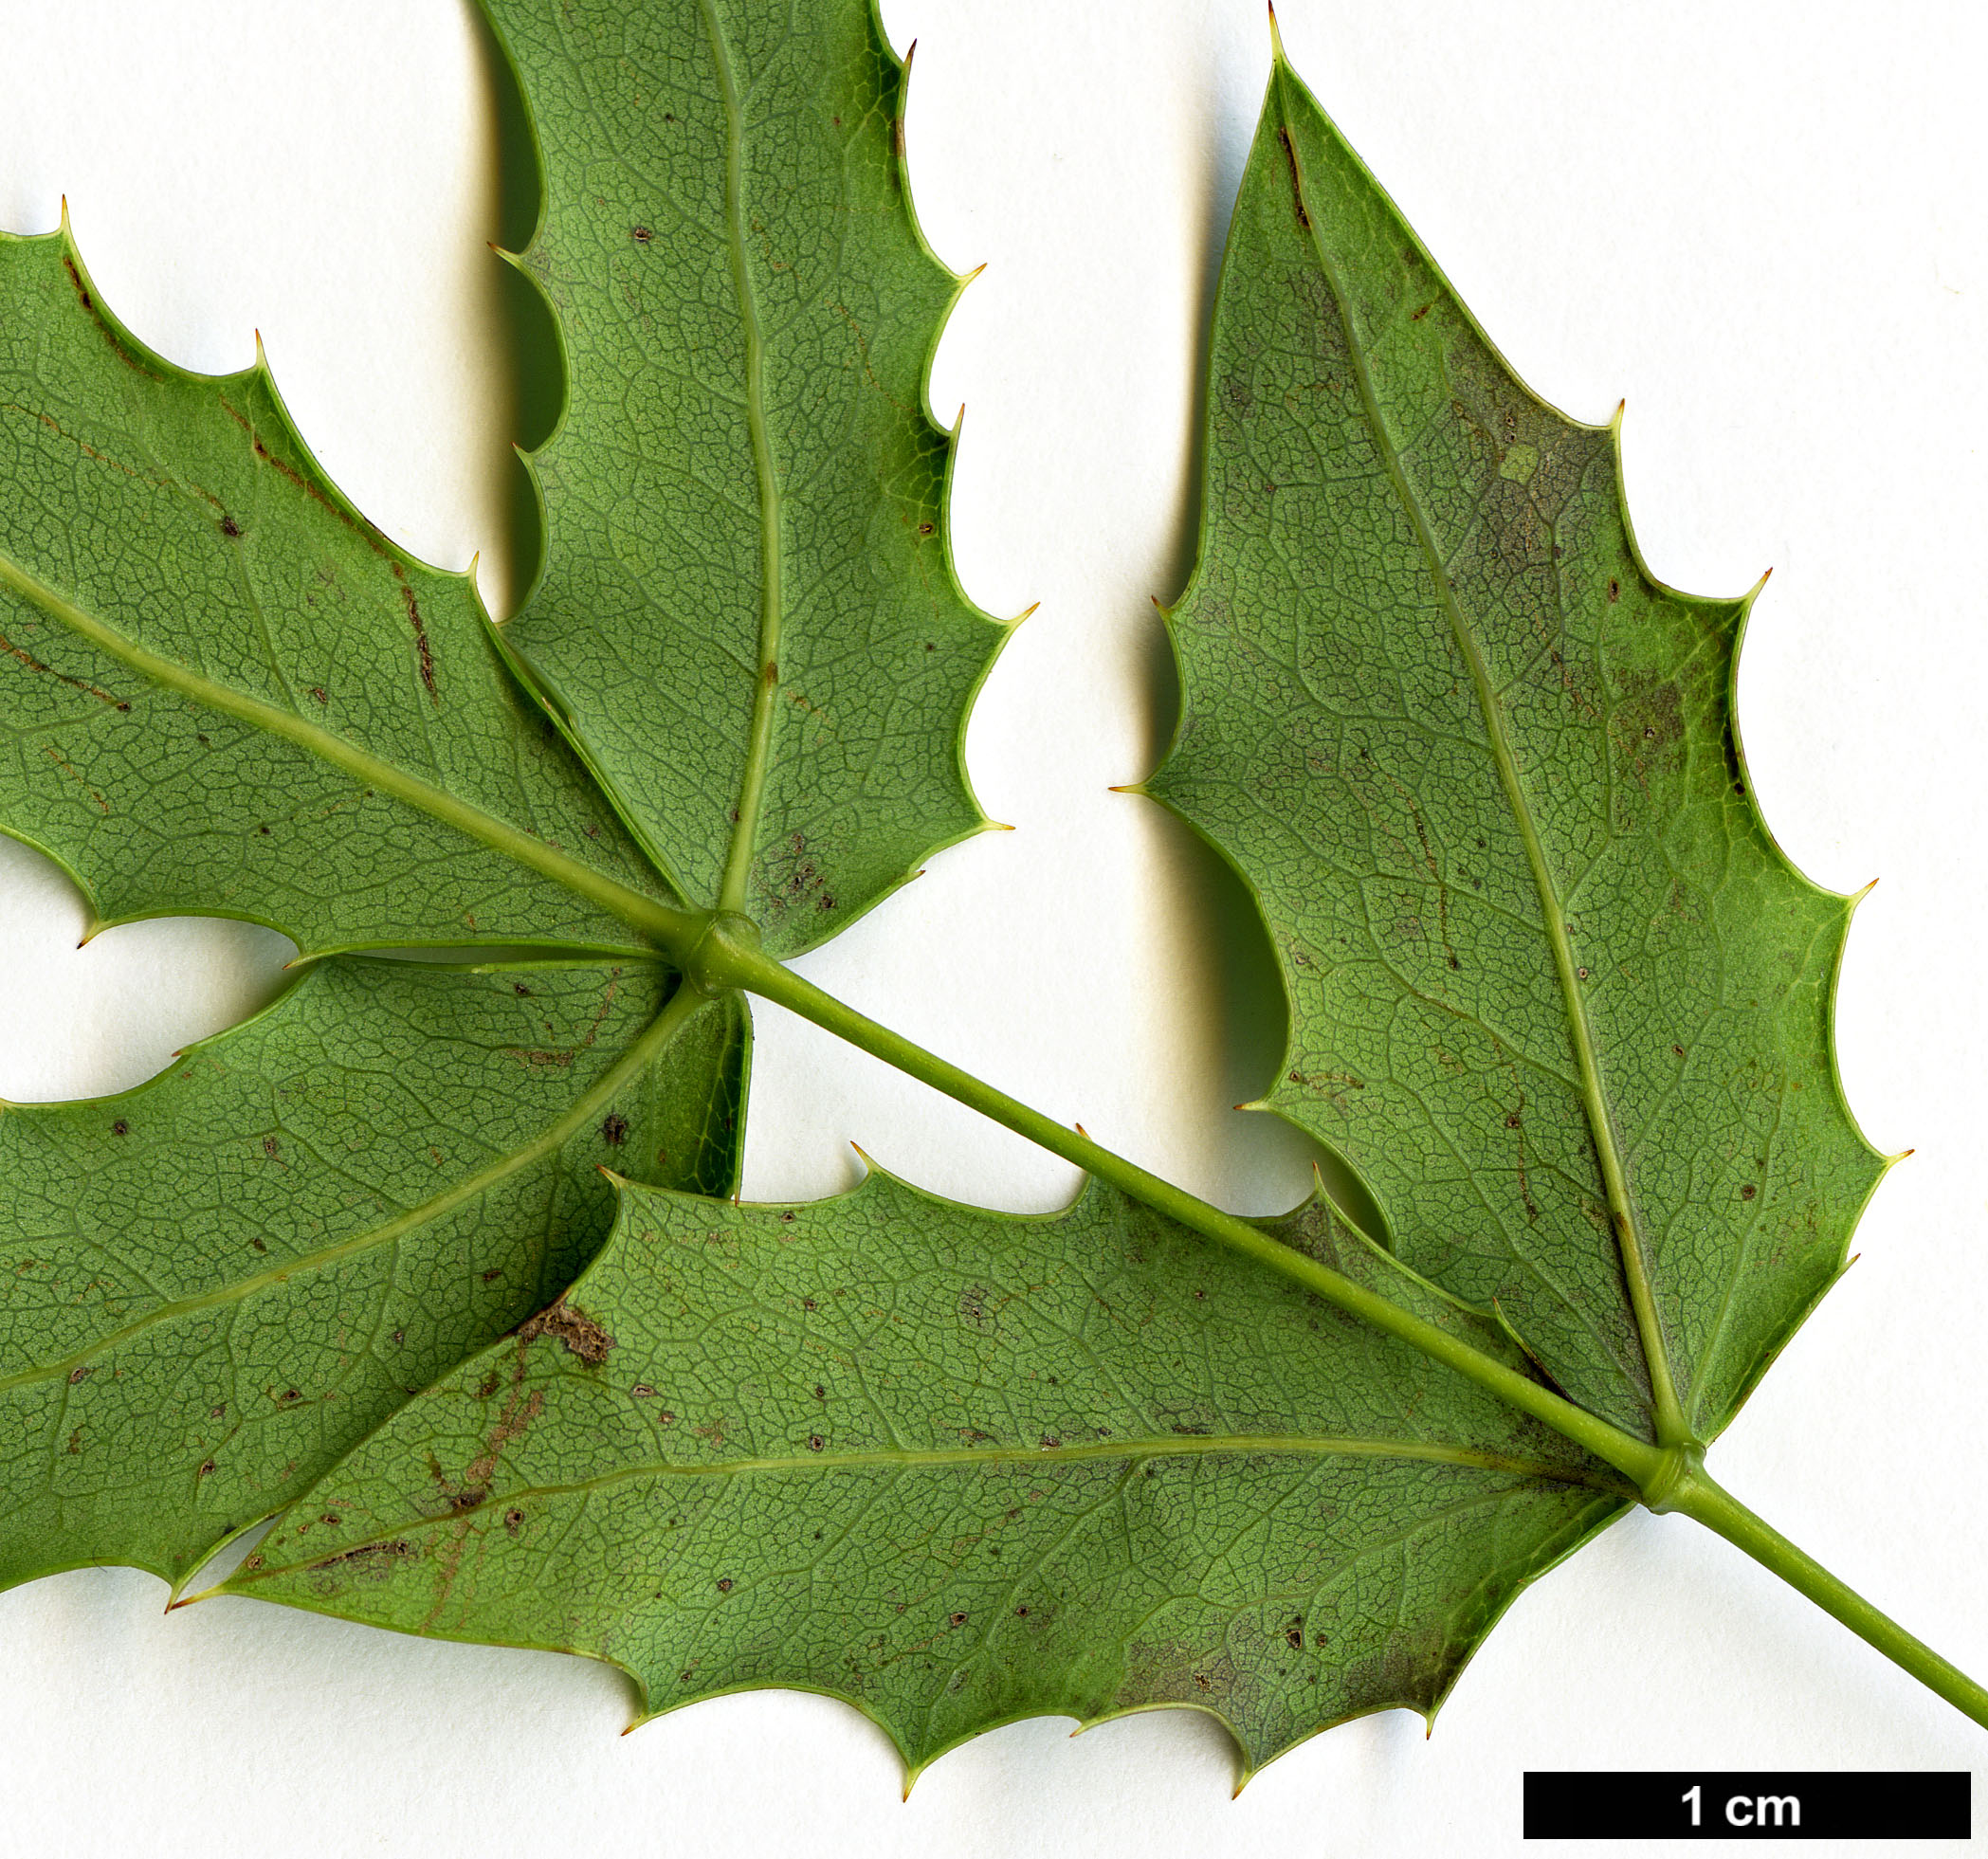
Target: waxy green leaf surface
x,y
1554,992
957,1468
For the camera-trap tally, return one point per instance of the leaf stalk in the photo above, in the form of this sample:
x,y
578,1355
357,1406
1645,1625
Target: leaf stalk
x,y
1697,1495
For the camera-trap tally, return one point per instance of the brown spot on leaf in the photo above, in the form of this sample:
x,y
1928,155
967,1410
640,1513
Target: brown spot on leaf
x,y
581,1335
376,1560
1291,154
34,664
614,1129
421,645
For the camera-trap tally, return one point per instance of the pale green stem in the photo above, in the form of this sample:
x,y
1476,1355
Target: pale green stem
x,y
1697,1496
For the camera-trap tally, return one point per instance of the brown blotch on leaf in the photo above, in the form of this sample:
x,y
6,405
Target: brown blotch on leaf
x,y
581,1335
229,528
368,1558
614,1129
1748,1192
724,1584
120,1127
1291,154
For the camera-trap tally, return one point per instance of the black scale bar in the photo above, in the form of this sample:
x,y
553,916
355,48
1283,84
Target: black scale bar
x,y
1789,1805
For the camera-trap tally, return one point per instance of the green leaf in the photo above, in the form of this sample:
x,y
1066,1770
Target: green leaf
x,y
222,1280
1555,995
748,620
957,1468
224,692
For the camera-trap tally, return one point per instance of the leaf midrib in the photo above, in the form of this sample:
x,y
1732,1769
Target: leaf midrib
x,y
1137,1449
673,928
658,1034
1671,1426
758,753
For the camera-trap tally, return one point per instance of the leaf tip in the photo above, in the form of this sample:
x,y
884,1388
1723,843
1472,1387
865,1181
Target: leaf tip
x,y
1029,612
1128,788
1276,37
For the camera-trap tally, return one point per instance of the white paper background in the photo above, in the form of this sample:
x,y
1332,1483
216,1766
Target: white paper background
x,y
1767,224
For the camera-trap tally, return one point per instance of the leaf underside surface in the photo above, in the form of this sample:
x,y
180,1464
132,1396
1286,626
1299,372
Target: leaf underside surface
x,y
1556,998
956,1468
222,691
748,618
220,1281
1555,995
